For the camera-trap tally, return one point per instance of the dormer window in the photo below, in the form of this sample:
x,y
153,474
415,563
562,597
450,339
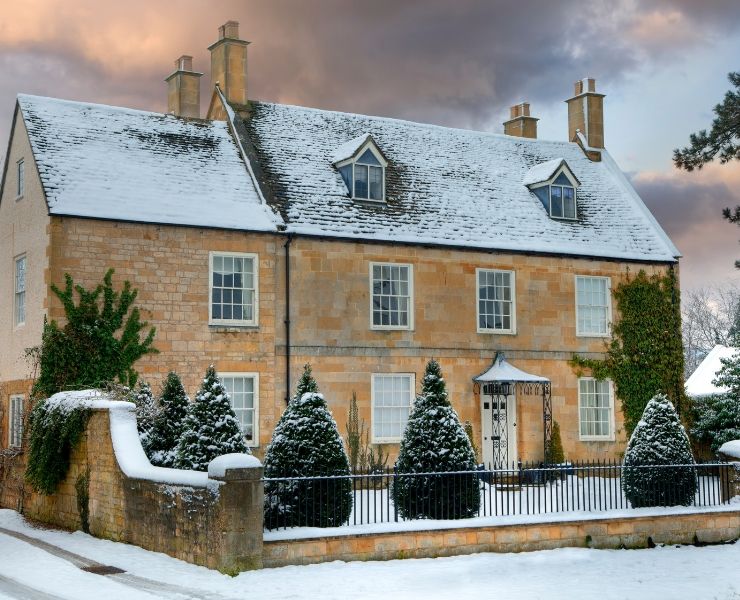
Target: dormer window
x,y
362,168
555,185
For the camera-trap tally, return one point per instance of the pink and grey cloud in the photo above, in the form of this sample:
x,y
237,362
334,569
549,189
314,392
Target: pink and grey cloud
x,y
456,63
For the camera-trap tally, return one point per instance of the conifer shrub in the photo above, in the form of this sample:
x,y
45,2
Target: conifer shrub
x,y
146,413
435,442
555,454
211,428
169,423
659,439
306,443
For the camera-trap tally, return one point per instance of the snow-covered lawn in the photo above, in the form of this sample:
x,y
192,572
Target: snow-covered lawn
x,y
670,572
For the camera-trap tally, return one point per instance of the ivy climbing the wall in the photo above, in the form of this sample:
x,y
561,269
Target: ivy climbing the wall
x,y
645,355
99,343
56,428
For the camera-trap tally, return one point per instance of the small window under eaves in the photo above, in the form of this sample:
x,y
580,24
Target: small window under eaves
x,y
363,171
556,187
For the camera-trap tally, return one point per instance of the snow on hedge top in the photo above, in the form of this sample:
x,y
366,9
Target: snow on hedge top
x,y
446,186
118,163
731,449
700,383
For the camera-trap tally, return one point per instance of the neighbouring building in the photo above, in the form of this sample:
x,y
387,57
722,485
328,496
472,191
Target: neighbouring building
x,y
265,236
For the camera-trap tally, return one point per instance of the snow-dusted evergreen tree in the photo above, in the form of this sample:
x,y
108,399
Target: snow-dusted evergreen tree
x,y
146,413
659,439
211,427
435,442
306,443
169,423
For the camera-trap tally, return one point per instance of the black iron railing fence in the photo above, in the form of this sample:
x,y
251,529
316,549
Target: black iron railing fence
x,y
518,489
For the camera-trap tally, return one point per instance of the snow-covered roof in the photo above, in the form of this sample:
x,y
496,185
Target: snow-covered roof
x,y
502,370
118,163
700,381
445,186
349,149
543,171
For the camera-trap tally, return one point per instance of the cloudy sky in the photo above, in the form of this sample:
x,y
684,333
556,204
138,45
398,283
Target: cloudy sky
x,y
663,65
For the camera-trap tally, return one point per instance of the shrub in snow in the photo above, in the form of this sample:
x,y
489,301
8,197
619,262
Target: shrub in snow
x,y
659,439
146,413
717,418
435,441
306,443
211,427
169,424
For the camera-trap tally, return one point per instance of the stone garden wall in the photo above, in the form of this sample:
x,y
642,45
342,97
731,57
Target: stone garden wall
x,y
214,521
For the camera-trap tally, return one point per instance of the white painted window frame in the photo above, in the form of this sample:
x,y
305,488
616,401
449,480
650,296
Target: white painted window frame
x,y
20,172
254,443
510,331
375,439
234,322
19,296
15,436
608,306
410,325
354,160
597,438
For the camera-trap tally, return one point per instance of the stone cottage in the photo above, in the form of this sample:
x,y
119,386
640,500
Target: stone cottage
x,y
265,236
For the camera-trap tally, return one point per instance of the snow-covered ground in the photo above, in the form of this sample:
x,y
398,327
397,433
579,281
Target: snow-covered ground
x,y
52,572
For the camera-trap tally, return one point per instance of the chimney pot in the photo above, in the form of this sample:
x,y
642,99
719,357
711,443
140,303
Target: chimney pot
x,y
229,30
184,63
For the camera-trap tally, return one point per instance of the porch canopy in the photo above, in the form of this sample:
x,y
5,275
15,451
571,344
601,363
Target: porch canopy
x,y
502,370
499,380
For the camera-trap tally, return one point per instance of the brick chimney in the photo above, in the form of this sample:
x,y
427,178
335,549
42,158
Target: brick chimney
x,y
586,113
520,123
183,89
229,63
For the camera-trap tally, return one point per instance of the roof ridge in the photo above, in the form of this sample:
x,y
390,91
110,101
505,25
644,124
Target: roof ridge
x,y
419,124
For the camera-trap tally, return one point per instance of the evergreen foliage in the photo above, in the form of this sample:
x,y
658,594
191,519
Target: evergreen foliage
x,y
146,413
306,443
169,423
718,417
435,442
55,428
555,454
355,435
86,352
659,439
211,428
723,139
646,350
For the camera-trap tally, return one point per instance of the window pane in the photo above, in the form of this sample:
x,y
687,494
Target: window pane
x,y
376,183
360,181
594,408
391,295
21,178
391,405
592,298
569,203
495,300
368,158
556,201
232,288
241,394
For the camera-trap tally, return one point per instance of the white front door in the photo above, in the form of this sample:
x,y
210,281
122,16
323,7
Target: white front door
x,y
498,419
